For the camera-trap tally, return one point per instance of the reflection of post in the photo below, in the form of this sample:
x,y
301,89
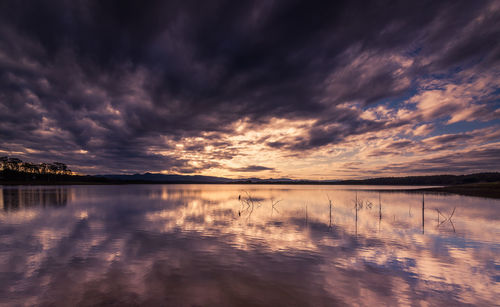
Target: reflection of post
x,y
1,199
330,203
306,215
379,207
356,209
330,215
356,222
379,211
423,216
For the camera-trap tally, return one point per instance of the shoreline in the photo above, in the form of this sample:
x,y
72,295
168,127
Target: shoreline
x,y
486,189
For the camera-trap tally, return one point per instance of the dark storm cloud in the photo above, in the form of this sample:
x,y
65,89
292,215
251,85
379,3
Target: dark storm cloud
x,y
117,79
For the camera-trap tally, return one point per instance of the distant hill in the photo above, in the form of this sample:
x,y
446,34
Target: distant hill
x,y
151,177
10,176
482,184
411,180
428,180
165,178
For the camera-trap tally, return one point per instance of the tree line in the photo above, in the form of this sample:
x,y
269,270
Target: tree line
x,y
17,165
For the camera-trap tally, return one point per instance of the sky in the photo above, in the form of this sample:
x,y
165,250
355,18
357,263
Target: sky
x,y
268,89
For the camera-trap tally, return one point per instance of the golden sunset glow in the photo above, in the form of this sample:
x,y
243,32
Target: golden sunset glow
x,y
249,153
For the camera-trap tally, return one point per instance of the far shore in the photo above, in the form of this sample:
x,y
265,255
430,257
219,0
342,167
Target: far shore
x,y
483,189
479,184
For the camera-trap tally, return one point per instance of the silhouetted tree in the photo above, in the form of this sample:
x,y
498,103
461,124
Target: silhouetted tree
x,y
17,165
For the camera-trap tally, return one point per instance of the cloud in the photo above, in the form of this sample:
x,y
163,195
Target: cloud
x,y
463,98
175,87
482,159
423,130
254,168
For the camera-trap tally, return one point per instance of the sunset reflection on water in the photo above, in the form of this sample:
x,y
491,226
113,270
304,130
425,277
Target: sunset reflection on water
x,y
228,245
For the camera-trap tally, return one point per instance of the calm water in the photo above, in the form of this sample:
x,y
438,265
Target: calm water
x,y
228,245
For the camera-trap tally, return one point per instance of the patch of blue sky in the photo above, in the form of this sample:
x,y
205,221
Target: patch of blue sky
x,y
394,102
460,127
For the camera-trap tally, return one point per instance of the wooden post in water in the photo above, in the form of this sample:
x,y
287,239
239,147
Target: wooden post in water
x,y
356,209
306,215
379,207
330,203
423,215
379,211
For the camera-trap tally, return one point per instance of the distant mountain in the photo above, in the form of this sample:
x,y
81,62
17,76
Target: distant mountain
x,y
155,177
411,180
8,176
152,177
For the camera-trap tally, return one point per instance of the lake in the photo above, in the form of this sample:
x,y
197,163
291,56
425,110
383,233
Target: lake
x,y
238,245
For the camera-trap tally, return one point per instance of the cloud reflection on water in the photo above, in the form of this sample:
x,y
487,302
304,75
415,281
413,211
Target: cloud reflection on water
x,y
196,245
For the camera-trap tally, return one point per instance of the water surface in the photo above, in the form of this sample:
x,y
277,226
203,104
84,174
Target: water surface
x,y
228,245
